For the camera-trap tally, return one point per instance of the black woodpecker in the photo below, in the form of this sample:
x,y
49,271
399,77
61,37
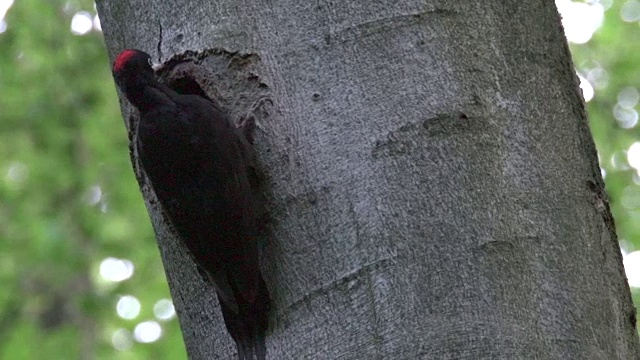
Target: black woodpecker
x,y
199,165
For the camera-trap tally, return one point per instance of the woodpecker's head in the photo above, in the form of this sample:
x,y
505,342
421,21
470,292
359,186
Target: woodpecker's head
x,y
132,67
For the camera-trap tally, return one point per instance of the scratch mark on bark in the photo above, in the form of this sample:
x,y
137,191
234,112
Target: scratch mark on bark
x,y
325,288
384,23
159,47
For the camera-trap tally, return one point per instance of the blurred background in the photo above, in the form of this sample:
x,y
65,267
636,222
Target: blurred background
x,y
80,273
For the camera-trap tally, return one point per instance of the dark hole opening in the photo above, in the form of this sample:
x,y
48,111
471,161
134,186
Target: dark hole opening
x,y
187,85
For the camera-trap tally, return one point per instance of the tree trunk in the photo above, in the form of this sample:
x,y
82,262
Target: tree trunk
x,y
434,190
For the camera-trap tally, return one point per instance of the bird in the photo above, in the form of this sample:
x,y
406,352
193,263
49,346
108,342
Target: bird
x,y
200,166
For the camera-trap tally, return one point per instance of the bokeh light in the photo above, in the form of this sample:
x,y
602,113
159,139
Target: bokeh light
x,y
628,97
147,332
163,309
587,89
81,23
93,195
128,307
580,20
633,155
17,172
632,266
627,118
4,7
96,23
630,11
122,340
116,270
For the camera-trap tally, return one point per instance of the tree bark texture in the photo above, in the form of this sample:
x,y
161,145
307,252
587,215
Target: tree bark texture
x,y
433,186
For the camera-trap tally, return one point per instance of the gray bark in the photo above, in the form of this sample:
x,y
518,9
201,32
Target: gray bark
x,y
433,184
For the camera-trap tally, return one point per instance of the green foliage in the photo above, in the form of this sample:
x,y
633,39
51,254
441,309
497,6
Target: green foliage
x,y
69,198
613,49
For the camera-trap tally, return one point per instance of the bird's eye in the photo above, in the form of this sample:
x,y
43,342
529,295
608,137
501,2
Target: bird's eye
x,y
149,61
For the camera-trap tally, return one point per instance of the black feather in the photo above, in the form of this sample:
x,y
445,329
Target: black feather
x,y
199,165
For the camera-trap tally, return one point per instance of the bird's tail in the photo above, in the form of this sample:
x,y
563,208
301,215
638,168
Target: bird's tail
x,y
249,325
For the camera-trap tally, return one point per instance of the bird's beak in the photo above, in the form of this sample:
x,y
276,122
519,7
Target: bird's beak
x,y
157,66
